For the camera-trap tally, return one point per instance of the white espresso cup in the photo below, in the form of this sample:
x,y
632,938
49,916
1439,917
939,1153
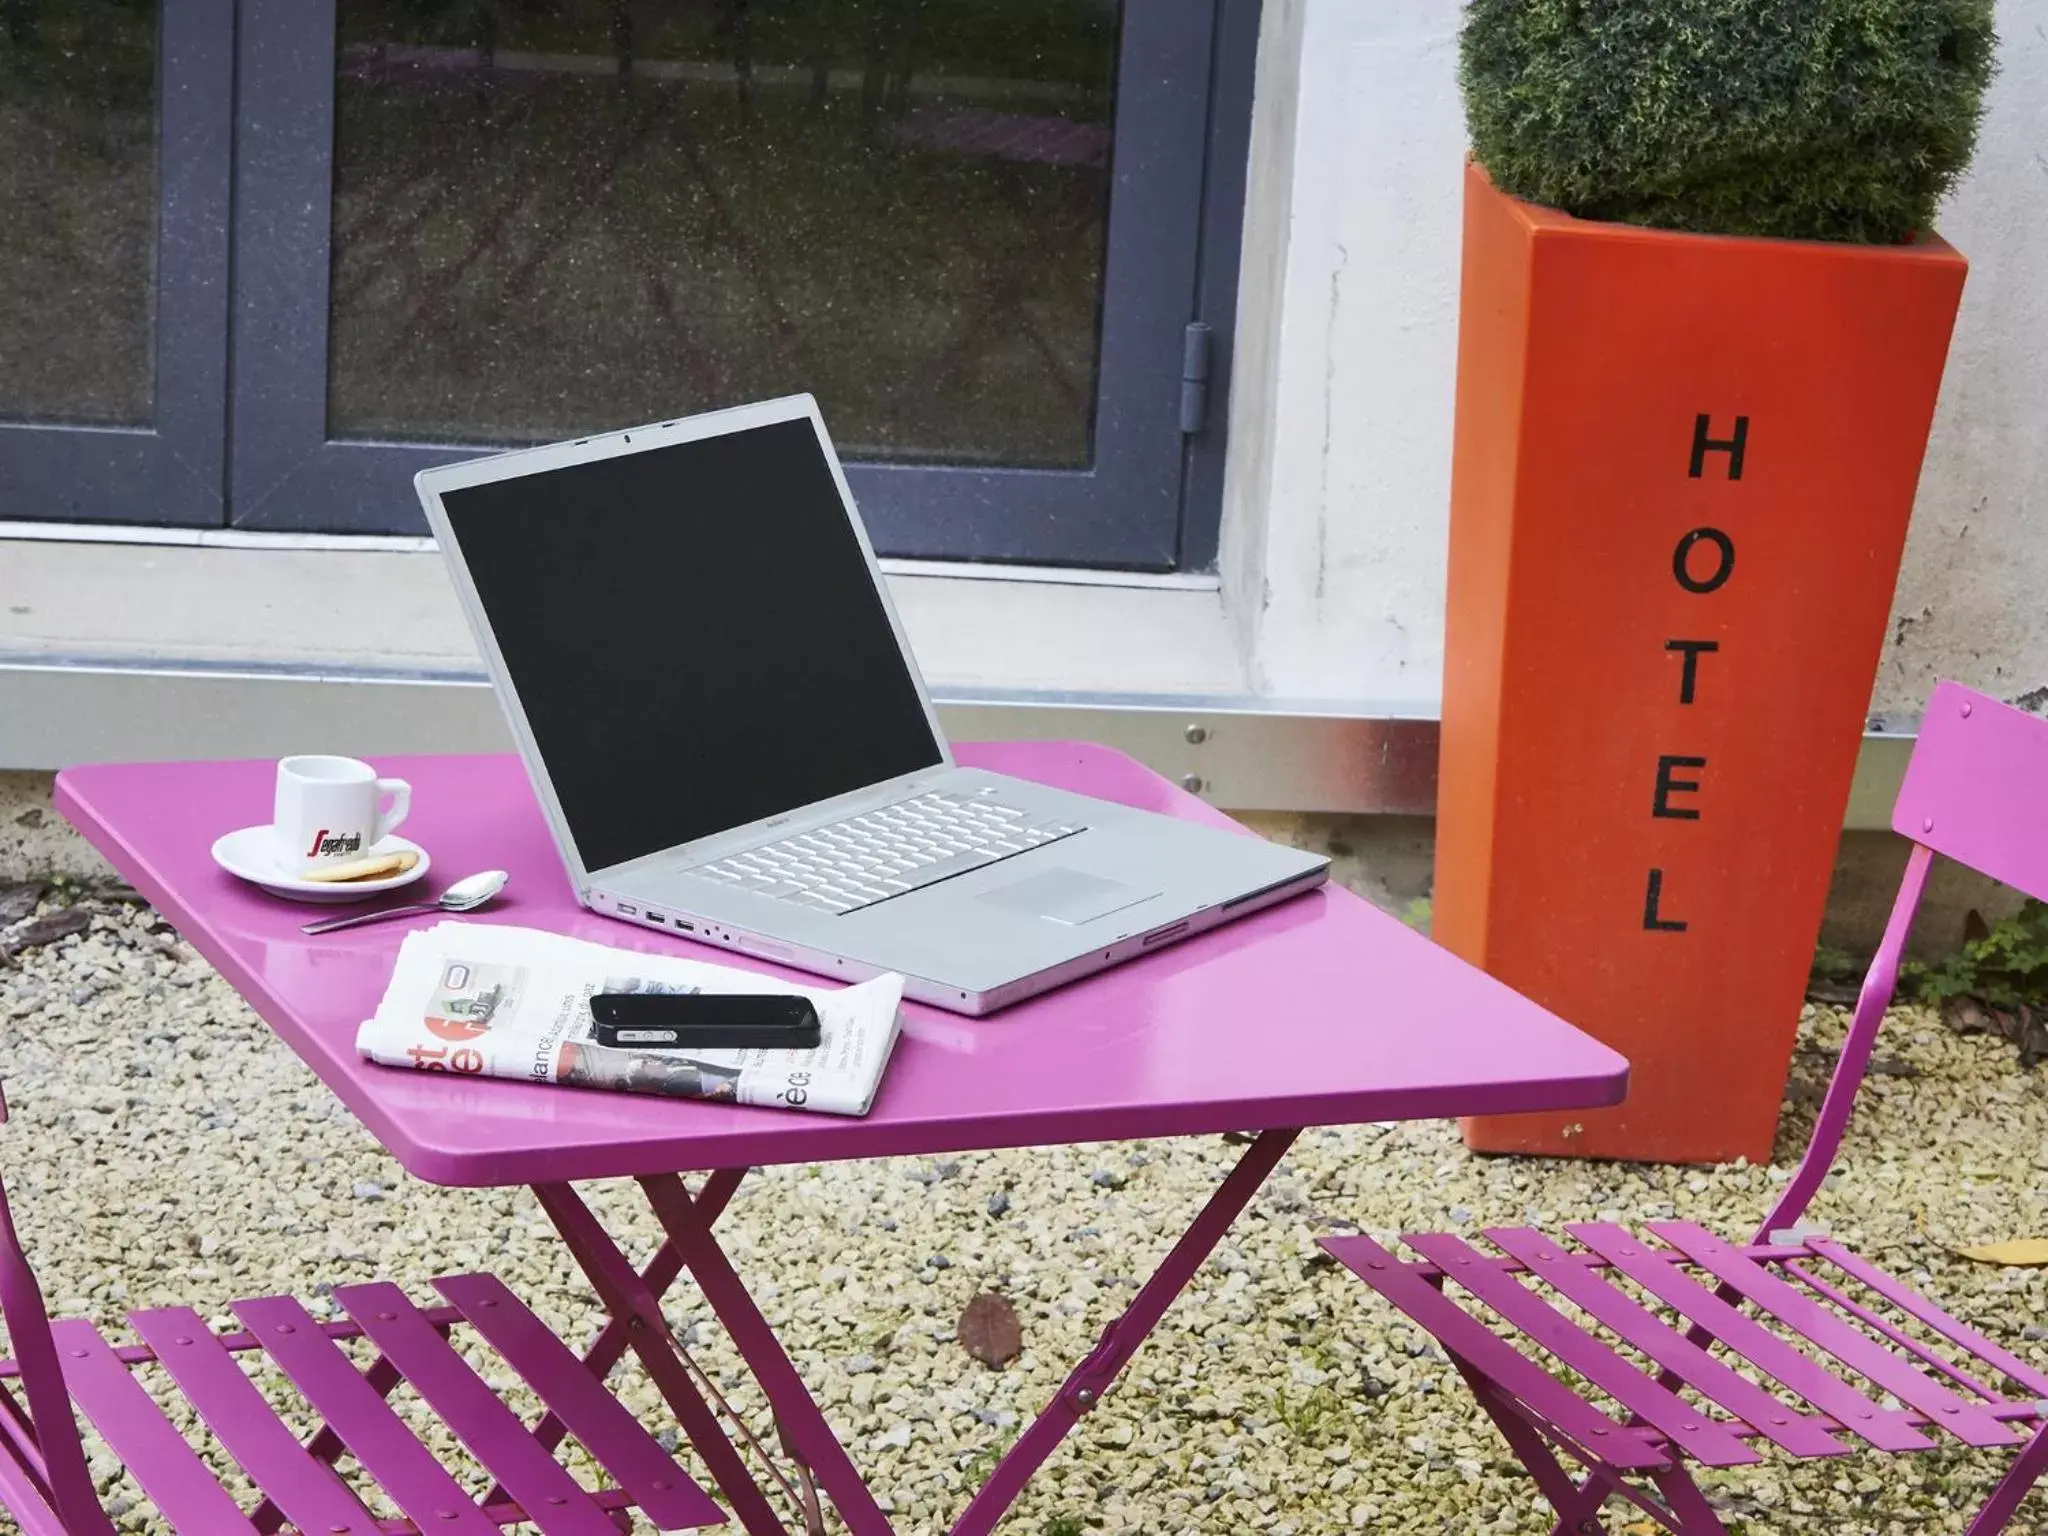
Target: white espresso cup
x,y
331,810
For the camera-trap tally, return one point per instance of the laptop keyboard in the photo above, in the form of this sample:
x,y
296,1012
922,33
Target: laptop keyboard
x,y
888,852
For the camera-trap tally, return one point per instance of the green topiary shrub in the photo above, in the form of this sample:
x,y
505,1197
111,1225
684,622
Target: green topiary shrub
x,y
1807,119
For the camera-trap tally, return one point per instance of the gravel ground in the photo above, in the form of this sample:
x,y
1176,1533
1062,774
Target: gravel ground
x,y
165,1149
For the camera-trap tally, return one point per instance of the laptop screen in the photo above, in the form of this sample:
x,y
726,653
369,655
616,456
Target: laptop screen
x,y
694,636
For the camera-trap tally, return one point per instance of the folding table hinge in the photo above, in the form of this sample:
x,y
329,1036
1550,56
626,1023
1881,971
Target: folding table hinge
x,y
1094,1375
1194,378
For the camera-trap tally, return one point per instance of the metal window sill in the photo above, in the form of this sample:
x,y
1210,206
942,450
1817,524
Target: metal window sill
x,y
160,648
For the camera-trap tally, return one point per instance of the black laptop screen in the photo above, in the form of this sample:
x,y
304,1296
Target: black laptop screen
x,y
693,635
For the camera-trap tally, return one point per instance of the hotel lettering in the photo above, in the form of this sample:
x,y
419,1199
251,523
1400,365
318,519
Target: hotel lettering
x,y
1702,563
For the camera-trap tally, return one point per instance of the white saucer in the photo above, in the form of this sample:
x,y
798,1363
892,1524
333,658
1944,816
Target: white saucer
x,y
248,855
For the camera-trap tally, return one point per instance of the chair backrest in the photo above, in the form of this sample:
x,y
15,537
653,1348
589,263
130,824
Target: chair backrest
x,y
1977,788
1976,791
43,1441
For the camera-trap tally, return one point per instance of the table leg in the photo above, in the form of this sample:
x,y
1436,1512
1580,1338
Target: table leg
x,y
624,1295
1084,1387
634,1300
802,1422
611,1342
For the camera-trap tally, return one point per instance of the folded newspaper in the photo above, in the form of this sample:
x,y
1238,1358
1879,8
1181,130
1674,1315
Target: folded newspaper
x,y
490,1001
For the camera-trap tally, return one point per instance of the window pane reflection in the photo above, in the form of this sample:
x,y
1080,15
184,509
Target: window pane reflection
x,y
562,215
77,210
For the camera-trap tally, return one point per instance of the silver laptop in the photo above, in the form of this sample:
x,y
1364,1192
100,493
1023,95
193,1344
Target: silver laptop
x,y
731,740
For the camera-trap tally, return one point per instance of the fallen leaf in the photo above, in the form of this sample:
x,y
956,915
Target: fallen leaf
x,y
1967,1016
2024,1028
2019,1253
48,930
989,1330
19,901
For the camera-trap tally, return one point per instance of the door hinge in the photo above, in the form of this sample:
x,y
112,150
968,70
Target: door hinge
x,y
1194,378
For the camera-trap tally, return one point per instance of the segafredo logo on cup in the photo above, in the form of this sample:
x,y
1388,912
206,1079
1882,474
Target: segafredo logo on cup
x,y
326,843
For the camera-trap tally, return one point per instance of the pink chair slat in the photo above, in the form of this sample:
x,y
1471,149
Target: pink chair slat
x,y
552,1499
235,1343
358,1414
309,1491
1561,1269
1828,1291
1953,1329
1763,1349
1602,1438
1976,764
187,1494
1820,1326
573,1394
1688,1426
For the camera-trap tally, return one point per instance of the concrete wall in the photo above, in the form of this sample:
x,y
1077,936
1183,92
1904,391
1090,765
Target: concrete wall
x,y
1334,544
1970,602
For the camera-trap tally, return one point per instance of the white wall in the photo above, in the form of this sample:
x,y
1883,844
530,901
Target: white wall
x,y
1973,598
1341,413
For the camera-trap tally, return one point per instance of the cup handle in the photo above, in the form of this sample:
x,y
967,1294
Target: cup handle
x,y
401,802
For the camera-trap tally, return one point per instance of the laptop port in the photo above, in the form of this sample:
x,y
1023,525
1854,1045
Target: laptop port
x,y
686,927
653,916
626,911
1160,937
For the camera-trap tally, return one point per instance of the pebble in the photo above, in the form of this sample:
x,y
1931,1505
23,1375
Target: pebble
x,y
1276,1393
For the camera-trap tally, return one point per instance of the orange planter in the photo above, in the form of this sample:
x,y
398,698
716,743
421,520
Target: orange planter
x,y
1683,470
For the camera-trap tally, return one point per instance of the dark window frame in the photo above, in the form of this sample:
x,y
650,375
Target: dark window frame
x,y
170,471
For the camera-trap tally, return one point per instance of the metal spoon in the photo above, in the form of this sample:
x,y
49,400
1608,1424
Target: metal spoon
x,y
465,895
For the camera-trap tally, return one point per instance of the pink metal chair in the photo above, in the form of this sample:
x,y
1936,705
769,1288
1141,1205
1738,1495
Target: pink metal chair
x,y
1860,1360
46,1486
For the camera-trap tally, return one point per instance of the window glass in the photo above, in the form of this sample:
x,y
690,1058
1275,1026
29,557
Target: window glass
x,y
558,216
78,222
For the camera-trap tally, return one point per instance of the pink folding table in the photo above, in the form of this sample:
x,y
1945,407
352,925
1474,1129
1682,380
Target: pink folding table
x,y
1321,1011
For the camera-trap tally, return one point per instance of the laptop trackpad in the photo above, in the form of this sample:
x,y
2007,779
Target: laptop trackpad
x,y
1067,896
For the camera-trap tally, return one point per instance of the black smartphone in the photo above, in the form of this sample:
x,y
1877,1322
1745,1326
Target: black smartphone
x,y
705,1021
